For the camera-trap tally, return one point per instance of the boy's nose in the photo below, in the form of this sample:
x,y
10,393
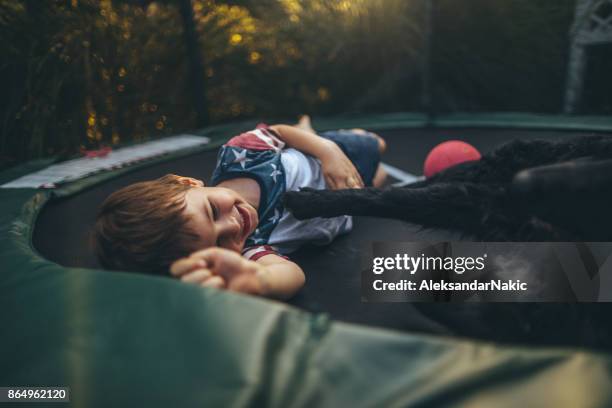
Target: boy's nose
x,y
231,226
226,201
232,218
228,209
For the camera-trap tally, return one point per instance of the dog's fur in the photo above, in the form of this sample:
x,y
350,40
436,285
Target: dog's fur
x,y
505,196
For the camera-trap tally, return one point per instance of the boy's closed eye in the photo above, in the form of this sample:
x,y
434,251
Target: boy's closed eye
x,y
214,210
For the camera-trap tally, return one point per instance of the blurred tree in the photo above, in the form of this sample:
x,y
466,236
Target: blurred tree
x,y
194,55
86,73
195,62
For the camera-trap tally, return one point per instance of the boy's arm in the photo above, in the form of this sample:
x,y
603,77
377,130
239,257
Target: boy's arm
x,y
338,170
279,277
270,276
304,141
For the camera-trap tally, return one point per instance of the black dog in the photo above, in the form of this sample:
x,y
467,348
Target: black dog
x,y
523,191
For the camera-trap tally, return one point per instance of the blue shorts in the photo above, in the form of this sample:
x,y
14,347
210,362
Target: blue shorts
x,y
361,149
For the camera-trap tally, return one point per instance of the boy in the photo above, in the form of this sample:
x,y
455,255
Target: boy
x,y
148,225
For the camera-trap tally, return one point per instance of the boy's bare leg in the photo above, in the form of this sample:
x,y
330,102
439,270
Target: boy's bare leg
x,y
305,124
380,177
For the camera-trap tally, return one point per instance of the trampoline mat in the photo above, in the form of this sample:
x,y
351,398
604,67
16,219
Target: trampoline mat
x,y
333,272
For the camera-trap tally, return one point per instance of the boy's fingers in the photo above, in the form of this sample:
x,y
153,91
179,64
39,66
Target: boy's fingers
x,y
356,177
359,179
214,282
185,265
210,256
197,276
331,183
203,253
360,183
354,182
181,266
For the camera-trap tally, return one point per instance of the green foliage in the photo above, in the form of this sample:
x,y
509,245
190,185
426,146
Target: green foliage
x,y
86,73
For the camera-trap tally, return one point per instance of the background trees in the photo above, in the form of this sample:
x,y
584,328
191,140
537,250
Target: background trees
x,y
82,73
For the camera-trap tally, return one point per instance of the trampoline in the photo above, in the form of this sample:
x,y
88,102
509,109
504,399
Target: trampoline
x,y
92,324
334,269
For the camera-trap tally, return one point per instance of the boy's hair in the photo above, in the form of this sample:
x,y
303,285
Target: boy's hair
x,y
142,227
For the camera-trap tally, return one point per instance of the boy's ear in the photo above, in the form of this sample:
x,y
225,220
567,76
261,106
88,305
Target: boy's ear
x,y
190,181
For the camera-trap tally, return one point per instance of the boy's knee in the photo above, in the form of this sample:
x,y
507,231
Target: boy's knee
x,y
382,144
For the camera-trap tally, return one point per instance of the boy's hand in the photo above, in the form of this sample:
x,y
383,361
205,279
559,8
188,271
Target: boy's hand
x,y
220,268
338,170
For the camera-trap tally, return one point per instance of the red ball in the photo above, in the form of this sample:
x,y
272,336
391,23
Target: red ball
x,y
449,154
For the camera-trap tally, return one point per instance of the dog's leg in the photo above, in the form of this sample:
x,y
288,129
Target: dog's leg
x,y
310,203
458,206
485,212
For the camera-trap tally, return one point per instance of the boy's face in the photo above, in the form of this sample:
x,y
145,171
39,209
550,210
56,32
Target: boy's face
x,y
220,216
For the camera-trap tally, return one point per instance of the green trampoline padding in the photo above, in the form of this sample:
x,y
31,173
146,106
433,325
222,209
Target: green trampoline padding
x,y
121,339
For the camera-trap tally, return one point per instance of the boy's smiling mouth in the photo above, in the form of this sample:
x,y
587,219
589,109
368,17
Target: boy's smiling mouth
x,y
245,220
